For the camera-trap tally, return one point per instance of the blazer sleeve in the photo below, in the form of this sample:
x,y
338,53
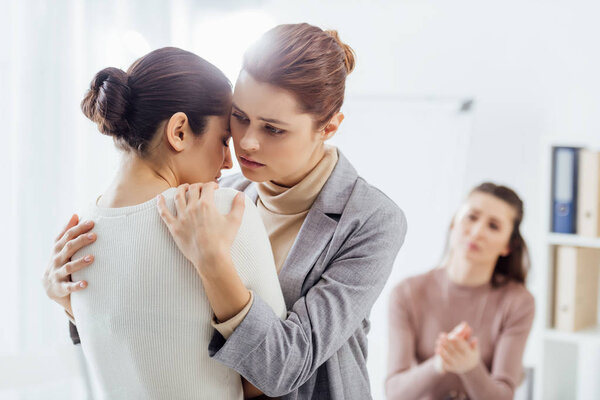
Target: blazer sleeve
x,y
74,333
278,356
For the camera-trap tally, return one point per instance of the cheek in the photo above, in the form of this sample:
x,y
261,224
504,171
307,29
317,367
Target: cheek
x,y
502,242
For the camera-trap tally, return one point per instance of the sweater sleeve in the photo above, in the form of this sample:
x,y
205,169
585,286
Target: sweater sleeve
x,y
507,368
406,378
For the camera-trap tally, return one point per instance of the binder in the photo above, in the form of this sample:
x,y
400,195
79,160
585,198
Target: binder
x,y
588,194
576,296
564,189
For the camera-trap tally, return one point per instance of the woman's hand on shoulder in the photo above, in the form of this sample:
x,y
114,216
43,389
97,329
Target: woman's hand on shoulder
x,y
57,276
200,231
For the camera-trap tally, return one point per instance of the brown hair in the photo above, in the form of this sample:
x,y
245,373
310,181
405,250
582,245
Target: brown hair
x,y
130,105
307,61
515,265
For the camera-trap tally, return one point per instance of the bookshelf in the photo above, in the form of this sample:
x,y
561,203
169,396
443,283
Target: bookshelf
x,y
569,363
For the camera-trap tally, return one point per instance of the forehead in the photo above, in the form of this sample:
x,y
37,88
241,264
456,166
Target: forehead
x,y
491,206
217,122
261,99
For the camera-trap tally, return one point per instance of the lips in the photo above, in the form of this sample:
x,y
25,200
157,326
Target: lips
x,y
249,163
473,246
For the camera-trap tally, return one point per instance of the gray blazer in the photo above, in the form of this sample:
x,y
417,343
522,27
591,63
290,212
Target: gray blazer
x,y
334,272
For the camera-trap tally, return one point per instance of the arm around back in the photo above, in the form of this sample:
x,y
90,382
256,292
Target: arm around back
x,y
279,356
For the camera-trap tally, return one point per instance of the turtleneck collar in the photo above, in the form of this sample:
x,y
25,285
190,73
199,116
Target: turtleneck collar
x,y
300,197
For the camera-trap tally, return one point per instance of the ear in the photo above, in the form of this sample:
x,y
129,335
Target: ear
x,y
332,126
177,130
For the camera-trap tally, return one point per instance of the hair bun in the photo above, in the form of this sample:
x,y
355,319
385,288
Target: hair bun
x,y
349,55
107,102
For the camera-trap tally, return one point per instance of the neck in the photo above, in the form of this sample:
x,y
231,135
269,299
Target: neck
x,y
137,181
294,179
467,273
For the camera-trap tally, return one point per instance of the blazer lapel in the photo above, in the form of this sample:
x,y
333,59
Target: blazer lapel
x,y
317,230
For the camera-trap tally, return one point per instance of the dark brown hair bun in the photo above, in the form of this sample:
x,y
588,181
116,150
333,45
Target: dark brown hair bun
x,y
107,102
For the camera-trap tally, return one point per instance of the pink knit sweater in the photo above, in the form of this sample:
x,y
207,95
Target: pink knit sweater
x,y
423,306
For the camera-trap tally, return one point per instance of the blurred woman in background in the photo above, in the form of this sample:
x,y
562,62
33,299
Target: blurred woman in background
x,y
459,331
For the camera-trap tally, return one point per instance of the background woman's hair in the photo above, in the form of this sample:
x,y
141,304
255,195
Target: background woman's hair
x,y
309,62
515,265
129,106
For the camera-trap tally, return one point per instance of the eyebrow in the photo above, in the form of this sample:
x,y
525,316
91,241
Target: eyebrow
x,y
269,120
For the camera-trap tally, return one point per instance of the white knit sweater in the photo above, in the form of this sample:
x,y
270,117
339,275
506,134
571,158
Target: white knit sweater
x,y
144,319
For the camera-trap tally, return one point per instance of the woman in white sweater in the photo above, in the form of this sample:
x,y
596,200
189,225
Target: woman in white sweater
x,y
145,320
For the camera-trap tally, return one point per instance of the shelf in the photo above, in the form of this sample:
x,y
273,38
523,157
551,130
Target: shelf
x,y
587,335
564,239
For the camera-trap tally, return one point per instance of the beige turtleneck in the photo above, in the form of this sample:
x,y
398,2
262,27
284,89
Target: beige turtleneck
x,y
283,211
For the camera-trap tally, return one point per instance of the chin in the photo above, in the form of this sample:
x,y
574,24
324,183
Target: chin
x,y
254,176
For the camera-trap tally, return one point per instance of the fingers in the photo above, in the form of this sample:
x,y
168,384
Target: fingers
x,y
194,192
446,357
73,233
237,208
467,332
70,287
72,246
72,222
449,346
461,346
474,343
208,192
180,201
164,212
76,265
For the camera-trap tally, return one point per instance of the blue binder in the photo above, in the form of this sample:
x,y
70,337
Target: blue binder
x,y
564,189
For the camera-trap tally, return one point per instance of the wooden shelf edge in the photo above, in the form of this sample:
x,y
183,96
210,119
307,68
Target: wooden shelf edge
x,y
563,239
586,335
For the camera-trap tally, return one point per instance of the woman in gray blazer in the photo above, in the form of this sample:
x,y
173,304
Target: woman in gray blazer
x,y
334,236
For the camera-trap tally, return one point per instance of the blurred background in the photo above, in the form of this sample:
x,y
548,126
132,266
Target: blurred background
x,y
445,95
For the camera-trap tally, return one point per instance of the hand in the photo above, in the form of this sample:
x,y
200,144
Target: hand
x,y
462,330
57,277
200,231
457,355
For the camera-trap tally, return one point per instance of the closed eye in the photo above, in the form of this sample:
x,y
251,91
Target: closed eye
x,y
240,117
273,130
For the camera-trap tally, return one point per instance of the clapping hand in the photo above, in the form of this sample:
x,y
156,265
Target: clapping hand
x,y
457,351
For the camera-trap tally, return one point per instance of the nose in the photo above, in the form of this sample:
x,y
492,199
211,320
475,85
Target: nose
x,y
249,141
477,229
227,163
